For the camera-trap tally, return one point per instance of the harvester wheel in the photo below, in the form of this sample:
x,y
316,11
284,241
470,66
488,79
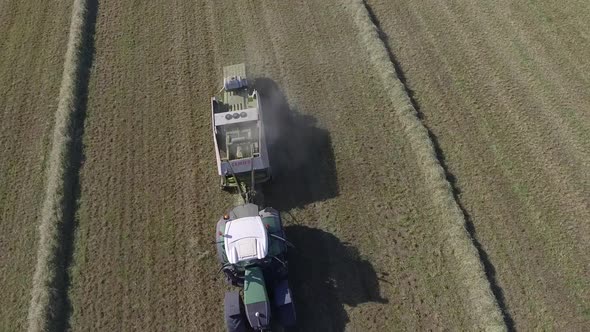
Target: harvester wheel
x,y
235,318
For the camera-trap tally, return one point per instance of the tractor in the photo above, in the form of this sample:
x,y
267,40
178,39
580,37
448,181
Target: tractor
x,y
252,251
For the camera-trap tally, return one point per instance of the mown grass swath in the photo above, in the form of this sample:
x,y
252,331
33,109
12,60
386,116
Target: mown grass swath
x,y
49,271
486,312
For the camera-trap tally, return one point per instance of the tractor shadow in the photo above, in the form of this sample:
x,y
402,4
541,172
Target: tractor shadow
x,y
301,154
326,273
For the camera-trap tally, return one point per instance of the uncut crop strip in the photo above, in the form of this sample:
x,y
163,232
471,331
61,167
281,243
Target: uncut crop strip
x,y
46,302
486,311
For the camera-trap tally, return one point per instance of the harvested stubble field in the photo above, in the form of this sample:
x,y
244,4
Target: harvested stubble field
x,y
504,88
32,43
372,251
381,242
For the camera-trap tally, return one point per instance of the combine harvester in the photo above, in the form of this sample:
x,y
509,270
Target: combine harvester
x,y
250,240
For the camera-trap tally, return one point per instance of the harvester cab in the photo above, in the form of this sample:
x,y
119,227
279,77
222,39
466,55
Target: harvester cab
x,y
238,132
252,251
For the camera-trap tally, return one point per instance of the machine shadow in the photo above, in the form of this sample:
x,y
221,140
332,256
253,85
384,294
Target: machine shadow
x,y
301,154
326,273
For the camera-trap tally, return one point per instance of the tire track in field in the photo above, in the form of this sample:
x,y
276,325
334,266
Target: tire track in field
x,y
485,295
49,309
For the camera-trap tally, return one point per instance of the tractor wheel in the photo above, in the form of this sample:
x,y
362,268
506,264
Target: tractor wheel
x,y
285,307
235,318
286,315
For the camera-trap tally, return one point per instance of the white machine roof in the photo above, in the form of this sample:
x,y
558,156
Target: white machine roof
x,y
248,114
245,238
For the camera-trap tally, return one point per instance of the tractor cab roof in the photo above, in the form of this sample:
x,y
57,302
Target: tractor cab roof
x,y
245,239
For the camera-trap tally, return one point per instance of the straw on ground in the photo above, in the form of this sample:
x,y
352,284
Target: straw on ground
x,y
45,302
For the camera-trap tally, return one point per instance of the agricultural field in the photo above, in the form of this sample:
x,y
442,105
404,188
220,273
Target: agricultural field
x,y
430,161
32,43
150,196
505,91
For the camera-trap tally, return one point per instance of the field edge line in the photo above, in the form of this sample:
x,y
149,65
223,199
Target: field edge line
x,y
486,311
46,304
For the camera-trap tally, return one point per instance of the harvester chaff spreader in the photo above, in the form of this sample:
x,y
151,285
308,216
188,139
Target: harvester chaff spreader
x,y
250,240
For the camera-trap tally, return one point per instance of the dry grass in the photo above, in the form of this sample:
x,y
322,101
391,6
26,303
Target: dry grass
x,y
45,304
485,308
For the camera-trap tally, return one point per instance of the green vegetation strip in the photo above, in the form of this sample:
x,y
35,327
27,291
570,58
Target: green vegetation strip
x,y
45,303
483,304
